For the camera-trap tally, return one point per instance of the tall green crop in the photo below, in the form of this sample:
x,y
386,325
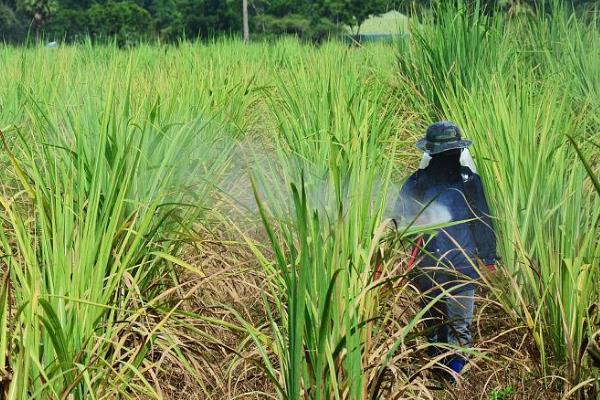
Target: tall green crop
x,y
334,152
110,154
540,198
522,99
91,223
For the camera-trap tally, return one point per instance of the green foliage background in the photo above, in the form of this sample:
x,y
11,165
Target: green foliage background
x,y
131,21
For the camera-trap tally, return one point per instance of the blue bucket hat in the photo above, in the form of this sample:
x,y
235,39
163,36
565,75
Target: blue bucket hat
x,y
442,136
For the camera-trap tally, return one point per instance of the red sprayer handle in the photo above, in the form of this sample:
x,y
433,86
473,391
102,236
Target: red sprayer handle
x,y
415,253
411,260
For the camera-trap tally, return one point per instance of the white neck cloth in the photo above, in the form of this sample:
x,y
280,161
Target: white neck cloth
x,y
465,160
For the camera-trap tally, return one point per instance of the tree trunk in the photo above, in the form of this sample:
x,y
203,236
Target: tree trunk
x,y
358,26
245,18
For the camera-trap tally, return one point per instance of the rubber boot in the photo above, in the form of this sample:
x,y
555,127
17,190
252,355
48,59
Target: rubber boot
x,y
457,364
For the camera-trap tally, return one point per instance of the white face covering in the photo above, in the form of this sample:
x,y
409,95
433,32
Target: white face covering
x,y
465,160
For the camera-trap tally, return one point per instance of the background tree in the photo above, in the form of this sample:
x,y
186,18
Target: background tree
x,y
207,18
10,26
167,18
38,11
76,4
354,12
305,19
171,20
125,21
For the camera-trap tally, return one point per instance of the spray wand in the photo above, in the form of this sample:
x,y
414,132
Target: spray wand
x,y
411,261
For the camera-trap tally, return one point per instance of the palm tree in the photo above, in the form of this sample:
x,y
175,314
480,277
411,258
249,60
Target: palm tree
x,y
39,10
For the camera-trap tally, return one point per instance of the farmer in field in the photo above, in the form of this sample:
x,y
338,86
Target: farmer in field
x,y
446,189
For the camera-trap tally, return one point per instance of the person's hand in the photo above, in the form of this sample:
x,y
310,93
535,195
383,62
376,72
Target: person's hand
x,y
490,268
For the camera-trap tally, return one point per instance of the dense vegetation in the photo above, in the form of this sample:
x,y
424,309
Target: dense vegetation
x,y
132,21
206,221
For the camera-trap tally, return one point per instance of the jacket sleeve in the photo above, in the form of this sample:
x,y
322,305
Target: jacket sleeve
x,y
407,205
482,226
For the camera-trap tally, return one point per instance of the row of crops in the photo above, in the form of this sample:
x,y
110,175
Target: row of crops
x,y
207,221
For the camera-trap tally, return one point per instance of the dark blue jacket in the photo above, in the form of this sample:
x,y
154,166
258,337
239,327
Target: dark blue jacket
x,y
462,198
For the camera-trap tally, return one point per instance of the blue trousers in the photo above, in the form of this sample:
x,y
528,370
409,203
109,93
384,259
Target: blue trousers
x,y
448,320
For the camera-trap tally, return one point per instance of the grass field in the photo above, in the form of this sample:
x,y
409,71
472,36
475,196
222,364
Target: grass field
x,y
205,221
